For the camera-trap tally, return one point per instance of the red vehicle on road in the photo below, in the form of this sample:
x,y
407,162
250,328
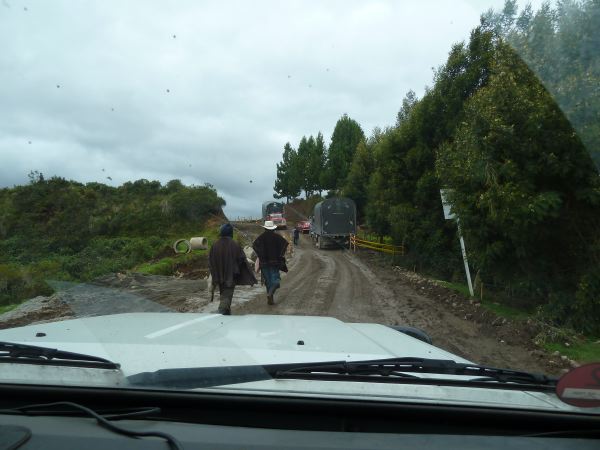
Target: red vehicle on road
x,y
278,219
303,226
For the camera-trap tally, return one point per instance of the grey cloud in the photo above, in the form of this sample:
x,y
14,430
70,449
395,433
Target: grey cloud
x,y
243,79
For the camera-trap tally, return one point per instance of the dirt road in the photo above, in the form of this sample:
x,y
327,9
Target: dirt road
x,y
337,283
344,285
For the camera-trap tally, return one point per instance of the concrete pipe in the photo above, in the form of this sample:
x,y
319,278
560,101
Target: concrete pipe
x,y
188,246
199,243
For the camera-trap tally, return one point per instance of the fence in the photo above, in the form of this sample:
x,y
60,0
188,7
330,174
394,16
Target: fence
x,y
246,220
385,248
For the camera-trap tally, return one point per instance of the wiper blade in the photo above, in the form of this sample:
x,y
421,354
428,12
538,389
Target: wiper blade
x,y
395,370
32,354
398,369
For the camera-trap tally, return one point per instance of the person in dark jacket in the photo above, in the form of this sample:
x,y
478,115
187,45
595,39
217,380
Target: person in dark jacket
x,y
270,249
228,267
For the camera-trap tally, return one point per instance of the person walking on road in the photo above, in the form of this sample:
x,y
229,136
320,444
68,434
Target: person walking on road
x,y
296,235
270,248
228,267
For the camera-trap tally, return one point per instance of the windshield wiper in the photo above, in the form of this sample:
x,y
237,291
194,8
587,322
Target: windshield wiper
x,y
395,370
11,352
398,370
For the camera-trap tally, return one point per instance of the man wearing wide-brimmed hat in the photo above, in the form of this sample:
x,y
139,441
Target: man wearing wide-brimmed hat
x,y
270,249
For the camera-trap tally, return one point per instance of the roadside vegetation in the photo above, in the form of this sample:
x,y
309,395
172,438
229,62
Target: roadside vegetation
x,y
510,127
56,229
575,346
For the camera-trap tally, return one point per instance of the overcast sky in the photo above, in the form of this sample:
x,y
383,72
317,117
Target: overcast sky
x,y
205,91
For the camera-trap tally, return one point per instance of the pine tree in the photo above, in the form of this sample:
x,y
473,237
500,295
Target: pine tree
x,y
346,136
288,181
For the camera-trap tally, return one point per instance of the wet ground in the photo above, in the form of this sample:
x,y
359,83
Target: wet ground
x,y
353,287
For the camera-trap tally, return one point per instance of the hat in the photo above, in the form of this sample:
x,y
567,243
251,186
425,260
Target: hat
x,y
226,230
269,225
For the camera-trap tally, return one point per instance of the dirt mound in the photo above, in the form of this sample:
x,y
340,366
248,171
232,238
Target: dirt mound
x,y
301,209
37,310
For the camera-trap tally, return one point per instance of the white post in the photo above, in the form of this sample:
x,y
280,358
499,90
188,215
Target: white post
x,y
464,254
448,215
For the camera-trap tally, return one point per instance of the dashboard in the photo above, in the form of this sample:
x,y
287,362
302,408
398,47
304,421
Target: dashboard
x,y
224,421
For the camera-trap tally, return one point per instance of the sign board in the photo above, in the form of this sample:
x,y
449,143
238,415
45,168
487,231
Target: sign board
x,y
447,213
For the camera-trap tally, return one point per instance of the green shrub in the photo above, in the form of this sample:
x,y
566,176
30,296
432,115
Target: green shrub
x,y
18,283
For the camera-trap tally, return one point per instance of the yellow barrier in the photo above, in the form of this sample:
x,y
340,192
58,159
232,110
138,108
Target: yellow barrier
x,y
385,248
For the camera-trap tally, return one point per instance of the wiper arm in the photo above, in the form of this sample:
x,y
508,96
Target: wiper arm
x,y
32,354
396,369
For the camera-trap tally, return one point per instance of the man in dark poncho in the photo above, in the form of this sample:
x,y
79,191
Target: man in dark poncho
x,y
228,267
270,249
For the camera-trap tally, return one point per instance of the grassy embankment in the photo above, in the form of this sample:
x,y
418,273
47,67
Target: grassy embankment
x,y
168,265
152,255
577,347
61,230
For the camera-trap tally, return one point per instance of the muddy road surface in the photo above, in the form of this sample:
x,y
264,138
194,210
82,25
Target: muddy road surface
x,y
348,286
353,287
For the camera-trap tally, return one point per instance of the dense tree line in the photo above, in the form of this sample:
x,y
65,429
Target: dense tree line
x,y
512,126
60,229
313,167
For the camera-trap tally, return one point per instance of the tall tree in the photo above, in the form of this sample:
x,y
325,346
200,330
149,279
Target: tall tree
x,y
522,179
358,178
302,161
409,101
346,136
314,162
288,181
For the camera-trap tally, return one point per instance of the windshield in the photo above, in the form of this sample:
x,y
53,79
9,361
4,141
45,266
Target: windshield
x,y
194,186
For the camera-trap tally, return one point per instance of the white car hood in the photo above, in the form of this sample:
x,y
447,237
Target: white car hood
x,y
146,342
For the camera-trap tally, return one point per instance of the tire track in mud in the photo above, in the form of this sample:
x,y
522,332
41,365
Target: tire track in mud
x,y
366,296
340,284
305,289
326,283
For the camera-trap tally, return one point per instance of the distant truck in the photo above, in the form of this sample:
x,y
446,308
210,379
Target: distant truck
x,y
274,211
271,207
333,221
